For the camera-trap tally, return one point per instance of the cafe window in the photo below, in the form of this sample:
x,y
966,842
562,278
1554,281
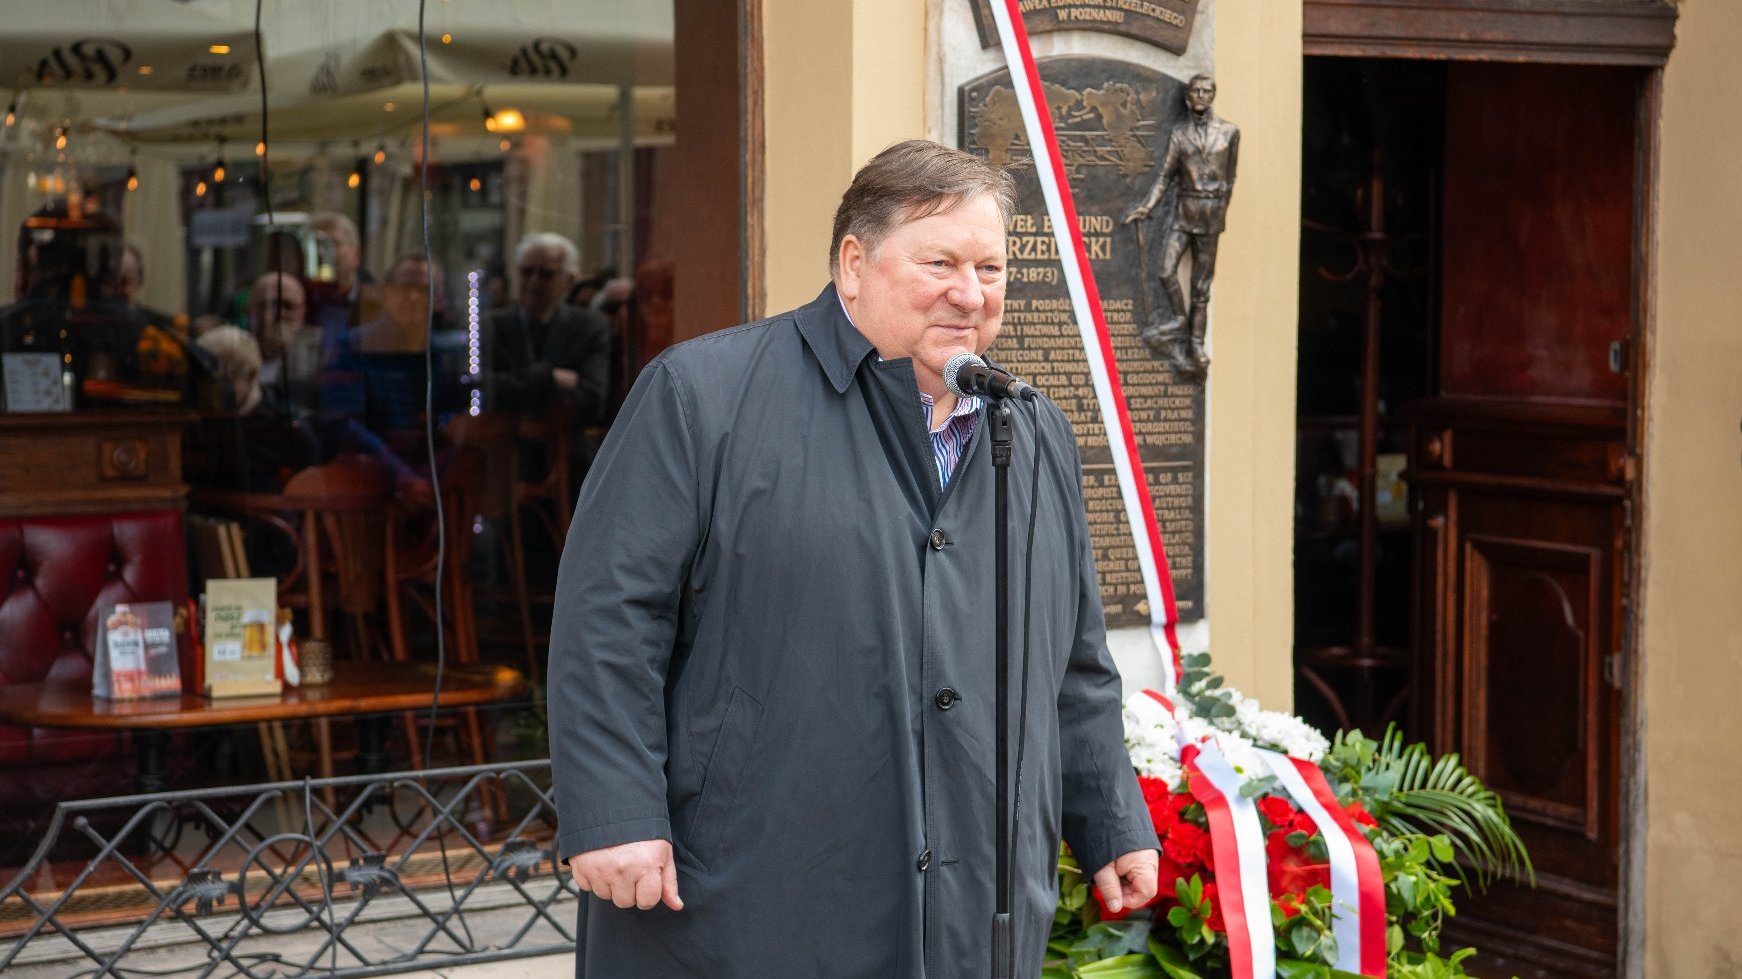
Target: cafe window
x,y
324,346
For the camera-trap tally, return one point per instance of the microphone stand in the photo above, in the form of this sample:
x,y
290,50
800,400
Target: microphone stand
x,y
1001,418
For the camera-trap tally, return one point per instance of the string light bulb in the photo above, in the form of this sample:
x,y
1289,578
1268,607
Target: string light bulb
x,y
380,154
260,148
505,144
12,112
475,184
200,189
132,179
60,138
354,181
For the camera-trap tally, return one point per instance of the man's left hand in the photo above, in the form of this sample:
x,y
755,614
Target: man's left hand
x,y
1129,881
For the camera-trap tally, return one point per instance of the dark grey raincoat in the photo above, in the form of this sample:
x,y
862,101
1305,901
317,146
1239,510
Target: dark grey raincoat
x,y
773,647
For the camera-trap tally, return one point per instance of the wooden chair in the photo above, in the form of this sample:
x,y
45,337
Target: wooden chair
x,y
339,520
476,478
552,497
480,478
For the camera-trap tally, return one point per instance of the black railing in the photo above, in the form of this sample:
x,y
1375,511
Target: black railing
x,y
356,876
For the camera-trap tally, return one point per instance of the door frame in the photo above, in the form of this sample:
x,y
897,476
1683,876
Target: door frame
x,y
1563,32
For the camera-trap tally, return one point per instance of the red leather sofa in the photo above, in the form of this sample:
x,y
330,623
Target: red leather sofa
x,y
58,576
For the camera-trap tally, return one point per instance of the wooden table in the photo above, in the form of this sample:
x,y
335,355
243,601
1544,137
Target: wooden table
x,y
366,691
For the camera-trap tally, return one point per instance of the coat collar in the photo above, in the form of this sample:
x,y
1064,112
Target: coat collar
x,y
836,343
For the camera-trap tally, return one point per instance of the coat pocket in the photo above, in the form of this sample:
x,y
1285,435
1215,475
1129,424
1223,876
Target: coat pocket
x,y
724,774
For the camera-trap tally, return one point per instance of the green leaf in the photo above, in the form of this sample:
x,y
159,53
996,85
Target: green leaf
x,y
1123,967
1328,947
1300,969
1303,937
1172,962
1409,792
1253,788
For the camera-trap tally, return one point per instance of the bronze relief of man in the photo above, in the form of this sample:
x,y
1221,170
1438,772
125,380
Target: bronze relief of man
x,y
1199,164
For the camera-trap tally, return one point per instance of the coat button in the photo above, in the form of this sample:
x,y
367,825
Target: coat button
x,y
937,540
947,698
924,861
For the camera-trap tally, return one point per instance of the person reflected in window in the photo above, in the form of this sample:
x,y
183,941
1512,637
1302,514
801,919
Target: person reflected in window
x,y
373,387
255,449
342,294
542,352
258,446
290,348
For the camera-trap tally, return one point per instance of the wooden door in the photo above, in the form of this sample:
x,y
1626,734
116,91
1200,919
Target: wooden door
x,y
1520,474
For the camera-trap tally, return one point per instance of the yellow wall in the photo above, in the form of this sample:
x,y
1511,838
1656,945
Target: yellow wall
x,y
845,79
1253,333
1692,648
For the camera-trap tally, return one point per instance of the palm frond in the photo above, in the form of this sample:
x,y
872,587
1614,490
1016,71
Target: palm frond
x,y
1409,791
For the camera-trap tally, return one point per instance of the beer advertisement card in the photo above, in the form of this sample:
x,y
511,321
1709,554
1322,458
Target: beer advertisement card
x,y
240,646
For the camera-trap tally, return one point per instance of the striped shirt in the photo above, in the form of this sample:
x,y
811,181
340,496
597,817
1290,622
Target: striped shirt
x,y
950,440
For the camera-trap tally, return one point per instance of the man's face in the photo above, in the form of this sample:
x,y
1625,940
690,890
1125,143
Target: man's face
x,y
347,257
276,310
932,289
543,281
1200,95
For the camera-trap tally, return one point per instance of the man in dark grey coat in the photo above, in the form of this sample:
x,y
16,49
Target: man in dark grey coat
x,y
772,673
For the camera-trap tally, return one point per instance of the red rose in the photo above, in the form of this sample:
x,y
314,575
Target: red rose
x,y
1276,810
1159,801
1166,874
1359,813
1154,790
1186,844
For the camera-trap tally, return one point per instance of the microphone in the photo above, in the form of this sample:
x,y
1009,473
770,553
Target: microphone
x,y
968,376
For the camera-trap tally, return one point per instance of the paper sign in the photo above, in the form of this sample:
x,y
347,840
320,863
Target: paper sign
x,y
241,651
136,657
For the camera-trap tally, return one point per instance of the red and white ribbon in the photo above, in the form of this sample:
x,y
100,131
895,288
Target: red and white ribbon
x,y
1235,832
1097,341
1357,886
1243,890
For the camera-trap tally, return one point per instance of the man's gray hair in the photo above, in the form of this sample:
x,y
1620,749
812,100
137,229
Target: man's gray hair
x,y
913,179
335,225
548,240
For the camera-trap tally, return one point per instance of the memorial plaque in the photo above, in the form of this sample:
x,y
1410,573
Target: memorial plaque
x,y
1113,120
1167,24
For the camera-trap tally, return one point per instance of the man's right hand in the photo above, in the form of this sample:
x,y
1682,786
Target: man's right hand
x,y
1137,213
631,875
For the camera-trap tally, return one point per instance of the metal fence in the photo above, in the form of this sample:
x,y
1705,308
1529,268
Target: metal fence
x,y
355,876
